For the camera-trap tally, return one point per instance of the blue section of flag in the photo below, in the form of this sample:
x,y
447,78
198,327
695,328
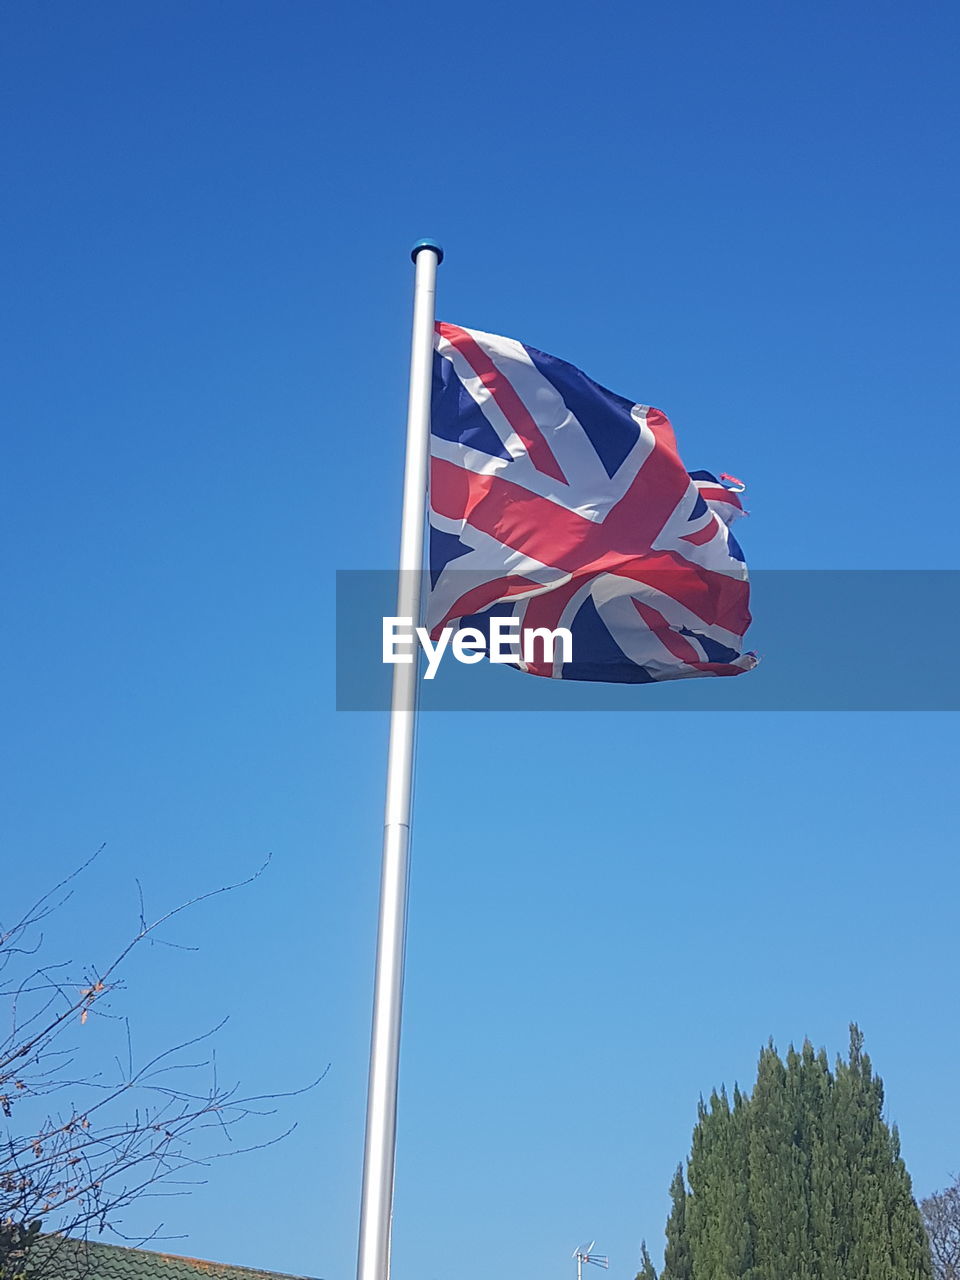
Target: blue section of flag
x,y
713,649
605,417
733,546
444,547
607,661
699,509
456,415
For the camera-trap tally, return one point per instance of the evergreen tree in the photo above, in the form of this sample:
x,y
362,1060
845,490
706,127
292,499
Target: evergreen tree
x,y
718,1228
778,1172
800,1180
676,1259
647,1270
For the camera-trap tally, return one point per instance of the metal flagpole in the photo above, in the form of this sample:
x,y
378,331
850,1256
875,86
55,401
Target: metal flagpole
x,y
379,1153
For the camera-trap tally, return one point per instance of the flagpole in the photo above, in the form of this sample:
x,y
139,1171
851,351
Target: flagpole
x,y
379,1153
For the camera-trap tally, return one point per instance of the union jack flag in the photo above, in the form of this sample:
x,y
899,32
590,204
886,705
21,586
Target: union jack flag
x,y
554,501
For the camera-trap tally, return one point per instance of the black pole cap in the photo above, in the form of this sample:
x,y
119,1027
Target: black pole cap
x,y
426,244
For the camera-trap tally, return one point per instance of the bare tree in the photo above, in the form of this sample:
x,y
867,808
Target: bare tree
x,y
941,1217
79,1145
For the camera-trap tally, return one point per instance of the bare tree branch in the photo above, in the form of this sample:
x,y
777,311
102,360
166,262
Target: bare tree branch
x,y
941,1217
109,1139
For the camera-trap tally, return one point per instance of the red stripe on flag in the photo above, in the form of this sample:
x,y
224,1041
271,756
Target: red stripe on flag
x,y
715,494
546,611
659,424
553,533
481,596
702,535
720,668
671,640
509,403
547,532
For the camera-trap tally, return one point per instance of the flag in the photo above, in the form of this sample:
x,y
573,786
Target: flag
x,y
561,504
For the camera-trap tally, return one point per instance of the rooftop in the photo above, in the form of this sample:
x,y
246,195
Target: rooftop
x,y
65,1258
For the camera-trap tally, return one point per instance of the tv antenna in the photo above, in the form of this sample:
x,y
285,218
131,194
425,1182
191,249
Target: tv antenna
x,y
584,1253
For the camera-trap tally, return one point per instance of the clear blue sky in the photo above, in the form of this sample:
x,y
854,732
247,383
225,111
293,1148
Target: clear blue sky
x,y
745,214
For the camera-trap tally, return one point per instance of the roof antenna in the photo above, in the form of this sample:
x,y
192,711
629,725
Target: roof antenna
x,y
584,1253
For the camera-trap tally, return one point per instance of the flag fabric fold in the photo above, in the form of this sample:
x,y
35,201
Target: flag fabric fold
x,y
561,504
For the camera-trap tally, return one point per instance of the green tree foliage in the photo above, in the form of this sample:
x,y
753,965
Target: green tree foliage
x,y
677,1264
800,1180
647,1271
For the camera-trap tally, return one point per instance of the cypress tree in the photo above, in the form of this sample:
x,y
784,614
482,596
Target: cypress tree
x,y
647,1270
719,1231
676,1259
889,1241
800,1180
779,1168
